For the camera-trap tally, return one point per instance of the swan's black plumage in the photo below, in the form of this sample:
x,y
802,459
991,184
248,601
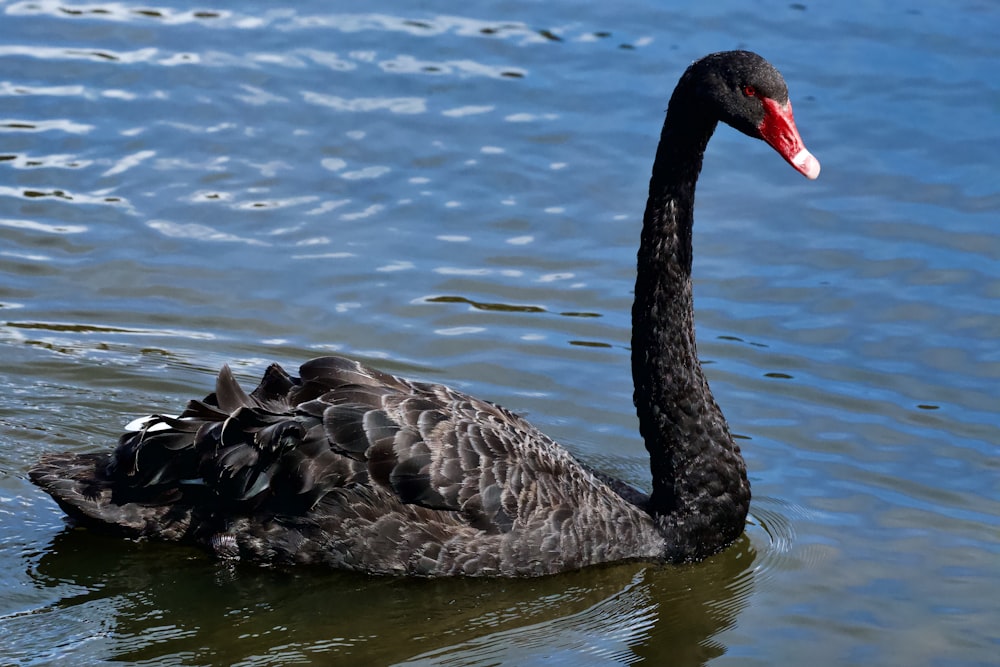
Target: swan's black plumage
x,y
354,468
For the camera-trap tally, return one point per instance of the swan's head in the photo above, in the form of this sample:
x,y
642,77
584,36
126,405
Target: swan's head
x,y
748,93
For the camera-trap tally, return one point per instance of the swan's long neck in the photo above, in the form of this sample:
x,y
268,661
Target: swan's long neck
x,y
700,491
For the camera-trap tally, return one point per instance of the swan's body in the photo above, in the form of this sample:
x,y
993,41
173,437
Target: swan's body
x,y
357,469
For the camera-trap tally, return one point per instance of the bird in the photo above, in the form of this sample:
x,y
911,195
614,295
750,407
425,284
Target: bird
x,y
349,467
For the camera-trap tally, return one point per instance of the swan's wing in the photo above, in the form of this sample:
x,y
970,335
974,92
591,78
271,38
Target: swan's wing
x,y
430,445
291,441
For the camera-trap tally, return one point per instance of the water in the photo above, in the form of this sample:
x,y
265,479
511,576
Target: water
x,y
457,197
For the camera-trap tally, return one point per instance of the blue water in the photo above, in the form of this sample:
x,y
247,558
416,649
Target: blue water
x,y
454,193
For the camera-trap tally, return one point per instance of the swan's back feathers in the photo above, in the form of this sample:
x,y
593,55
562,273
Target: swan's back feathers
x,y
357,468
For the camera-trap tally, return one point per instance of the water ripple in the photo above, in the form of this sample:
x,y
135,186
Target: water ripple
x,y
35,226
399,105
61,125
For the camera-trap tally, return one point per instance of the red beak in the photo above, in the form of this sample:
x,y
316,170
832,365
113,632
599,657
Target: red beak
x,y
778,129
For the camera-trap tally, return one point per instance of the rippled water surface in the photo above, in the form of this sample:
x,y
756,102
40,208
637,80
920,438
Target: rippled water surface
x,y
454,193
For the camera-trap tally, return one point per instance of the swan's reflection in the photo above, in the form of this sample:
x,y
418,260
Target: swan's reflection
x,y
171,603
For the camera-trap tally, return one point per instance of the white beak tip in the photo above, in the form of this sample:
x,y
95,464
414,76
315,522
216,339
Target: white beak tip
x,y
806,163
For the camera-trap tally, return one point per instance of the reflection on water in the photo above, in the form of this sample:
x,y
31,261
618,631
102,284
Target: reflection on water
x,y
114,596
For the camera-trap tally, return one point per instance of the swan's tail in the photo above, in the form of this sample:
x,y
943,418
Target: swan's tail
x,y
81,486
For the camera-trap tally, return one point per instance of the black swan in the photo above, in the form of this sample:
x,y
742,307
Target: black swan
x,y
353,468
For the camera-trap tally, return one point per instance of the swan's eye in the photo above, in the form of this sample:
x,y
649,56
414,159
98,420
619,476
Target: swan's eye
x,y
749,91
